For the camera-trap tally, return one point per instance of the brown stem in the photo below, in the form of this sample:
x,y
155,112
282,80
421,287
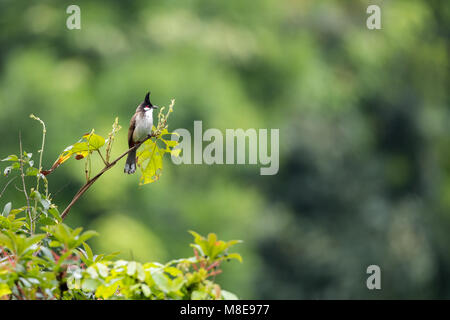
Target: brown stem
x,y
101,156
90,182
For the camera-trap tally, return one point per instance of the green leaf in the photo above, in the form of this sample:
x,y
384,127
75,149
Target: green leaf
x,y
102,270
45,203
55,213
161,281
79,147
87,235
226,295
35,195
6,241
92,272
140,272
88,251
94,140
32,171
18,210
90,284
27,156
34,239
7,209
146,290
177,283
234,256
47,221
199,295
131,269
106,292
54,244
4,289
173,271
12,157
150,162
47,253
10,168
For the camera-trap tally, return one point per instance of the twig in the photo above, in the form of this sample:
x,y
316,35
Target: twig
x,y
6,186
23,184
88,159
41,152
90,182
101,156
17,188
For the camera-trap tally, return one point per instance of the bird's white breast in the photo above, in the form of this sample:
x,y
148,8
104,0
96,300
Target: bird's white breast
x,y
144,123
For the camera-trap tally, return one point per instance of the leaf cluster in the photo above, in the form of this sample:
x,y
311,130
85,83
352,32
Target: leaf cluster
x,y
61,265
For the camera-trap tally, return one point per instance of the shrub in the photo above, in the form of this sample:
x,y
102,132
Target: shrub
x,y
59,264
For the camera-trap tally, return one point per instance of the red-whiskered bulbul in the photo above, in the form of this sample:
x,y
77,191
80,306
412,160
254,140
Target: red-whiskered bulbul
x,y
140,127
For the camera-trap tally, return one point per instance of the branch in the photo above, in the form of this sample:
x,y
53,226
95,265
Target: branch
x,y
162,124
90,182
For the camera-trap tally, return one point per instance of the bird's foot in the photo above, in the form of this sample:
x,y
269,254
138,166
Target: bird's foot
x,y
129,169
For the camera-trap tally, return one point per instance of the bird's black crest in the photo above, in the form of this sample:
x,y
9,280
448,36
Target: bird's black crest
x,y
147,99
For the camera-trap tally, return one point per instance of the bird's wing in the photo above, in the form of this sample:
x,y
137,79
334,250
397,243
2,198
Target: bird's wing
x,y
130,131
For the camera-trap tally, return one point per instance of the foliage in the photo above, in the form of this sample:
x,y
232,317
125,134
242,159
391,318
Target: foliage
x,y
59,264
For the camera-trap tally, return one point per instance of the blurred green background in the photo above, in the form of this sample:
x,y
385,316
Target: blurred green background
x,y
364,133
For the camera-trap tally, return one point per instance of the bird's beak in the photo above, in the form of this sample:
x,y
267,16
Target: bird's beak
x,y
155,107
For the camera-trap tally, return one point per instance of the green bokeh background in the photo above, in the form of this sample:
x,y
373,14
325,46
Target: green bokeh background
x,y
364,133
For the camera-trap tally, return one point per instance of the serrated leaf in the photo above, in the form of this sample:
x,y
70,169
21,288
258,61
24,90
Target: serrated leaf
x,y
150,162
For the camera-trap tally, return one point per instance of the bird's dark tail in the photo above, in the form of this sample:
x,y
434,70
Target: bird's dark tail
x,y
130,165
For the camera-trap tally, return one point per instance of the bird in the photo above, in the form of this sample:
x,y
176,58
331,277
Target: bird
x,y
140,127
